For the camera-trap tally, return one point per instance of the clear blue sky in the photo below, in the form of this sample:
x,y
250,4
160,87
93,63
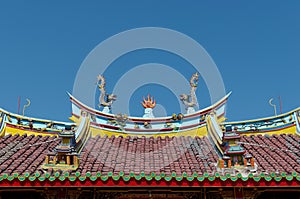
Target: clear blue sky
x,y
255,44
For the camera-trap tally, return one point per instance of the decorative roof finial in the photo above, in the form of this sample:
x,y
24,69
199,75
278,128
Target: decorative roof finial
x,y
191,100
149,103
105,100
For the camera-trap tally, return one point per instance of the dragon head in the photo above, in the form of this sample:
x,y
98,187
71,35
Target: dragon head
x,y
111,97
184,97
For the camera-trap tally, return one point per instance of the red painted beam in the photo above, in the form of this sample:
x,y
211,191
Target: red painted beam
x,y
153,183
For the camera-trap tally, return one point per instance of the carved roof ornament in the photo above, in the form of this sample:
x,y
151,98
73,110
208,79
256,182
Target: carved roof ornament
x,y
105,100
149,102
191,100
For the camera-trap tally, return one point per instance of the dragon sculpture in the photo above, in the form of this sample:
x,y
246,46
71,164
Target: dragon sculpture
x,y
105,100
191,100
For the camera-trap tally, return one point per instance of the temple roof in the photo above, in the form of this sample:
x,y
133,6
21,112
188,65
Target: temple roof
x,y
123,158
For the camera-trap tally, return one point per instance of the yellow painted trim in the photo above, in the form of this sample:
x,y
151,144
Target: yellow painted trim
x,y
289,130
193,133
263,119
2,133
74,119
32,118
14,131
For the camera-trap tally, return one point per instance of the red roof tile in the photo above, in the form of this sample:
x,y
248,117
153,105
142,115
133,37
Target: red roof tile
x,y
20,154
157,155
24,155
276,153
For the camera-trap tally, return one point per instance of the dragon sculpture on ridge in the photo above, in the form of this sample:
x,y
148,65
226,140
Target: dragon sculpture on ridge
x,y
191,100
105,100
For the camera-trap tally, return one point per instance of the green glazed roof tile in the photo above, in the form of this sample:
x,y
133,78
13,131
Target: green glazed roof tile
x,y
104,178
157,178
10,178
82,178
93,178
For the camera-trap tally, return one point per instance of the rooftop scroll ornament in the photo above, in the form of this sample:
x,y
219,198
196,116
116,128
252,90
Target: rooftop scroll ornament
x,y
105,100
148,104
191,100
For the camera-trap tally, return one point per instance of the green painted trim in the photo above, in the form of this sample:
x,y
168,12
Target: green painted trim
x,y
223,178
57,174
82,178
110,174
173,174
10,178
72,178
116,178
21,178
62,178
256,178
47,175
148,178
98,174
142,174
289,178
191,178
157,178
152,174
138,177
93,178
278,178
41,178
268,178
77,174
211,178
179,178
233,178
217,175
244,178
51,178
32,178
200,179
125,178
104,178
168,178
5,176
88,174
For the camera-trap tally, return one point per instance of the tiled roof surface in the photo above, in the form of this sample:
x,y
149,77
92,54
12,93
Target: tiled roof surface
x,y
141,154
24,154
276,153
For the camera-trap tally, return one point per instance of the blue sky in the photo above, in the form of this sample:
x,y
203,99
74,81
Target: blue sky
x,y
255,44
